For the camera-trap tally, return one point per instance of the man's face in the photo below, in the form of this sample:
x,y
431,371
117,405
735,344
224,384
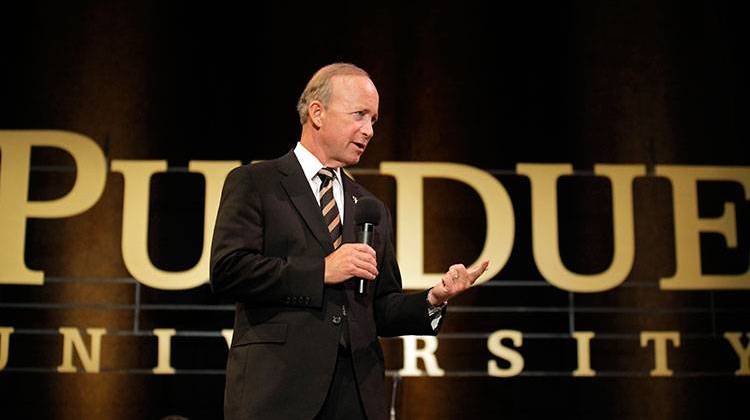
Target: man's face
x,y
347,120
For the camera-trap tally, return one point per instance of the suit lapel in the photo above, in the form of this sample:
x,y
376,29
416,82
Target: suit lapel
x,y
351,190
298,189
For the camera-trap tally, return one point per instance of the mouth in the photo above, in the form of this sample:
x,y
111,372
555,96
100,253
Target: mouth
x,y
360,145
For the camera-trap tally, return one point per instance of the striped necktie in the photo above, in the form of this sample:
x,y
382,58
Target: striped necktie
x,y
328,205
333,221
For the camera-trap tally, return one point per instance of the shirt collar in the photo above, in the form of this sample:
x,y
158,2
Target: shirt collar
x,y
310,164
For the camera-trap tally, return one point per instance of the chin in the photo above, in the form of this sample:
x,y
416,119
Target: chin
x,y
352,161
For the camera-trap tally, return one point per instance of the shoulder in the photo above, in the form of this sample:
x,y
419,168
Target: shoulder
x,y
259,169
255,176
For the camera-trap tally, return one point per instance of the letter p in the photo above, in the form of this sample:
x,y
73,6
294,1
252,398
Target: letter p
x,y
15,207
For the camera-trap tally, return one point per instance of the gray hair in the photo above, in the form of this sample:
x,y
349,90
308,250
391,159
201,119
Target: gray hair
x,y
319,86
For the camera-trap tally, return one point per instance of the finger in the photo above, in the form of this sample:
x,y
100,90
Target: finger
x,y
359,250
462,275
445,279
477,271
450,279
348,249
367,249
363,274
365,257
457,267
362,269
361,247
367,266
454,274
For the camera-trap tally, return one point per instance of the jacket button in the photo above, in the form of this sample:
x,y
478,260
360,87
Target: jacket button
x,y
336,320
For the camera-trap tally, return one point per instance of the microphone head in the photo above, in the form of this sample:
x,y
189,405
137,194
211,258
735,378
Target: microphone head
x,y
367,210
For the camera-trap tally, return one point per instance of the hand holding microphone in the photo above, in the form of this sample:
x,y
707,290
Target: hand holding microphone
x,y
356,260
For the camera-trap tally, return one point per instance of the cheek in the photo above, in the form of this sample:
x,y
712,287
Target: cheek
x,y
354,129
346,132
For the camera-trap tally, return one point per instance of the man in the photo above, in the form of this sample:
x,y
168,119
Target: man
x,y
305,344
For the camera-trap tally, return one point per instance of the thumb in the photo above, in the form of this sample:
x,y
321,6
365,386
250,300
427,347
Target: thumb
x,y
478,270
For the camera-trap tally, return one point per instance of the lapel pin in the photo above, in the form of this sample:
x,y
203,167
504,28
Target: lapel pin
x,y
354,199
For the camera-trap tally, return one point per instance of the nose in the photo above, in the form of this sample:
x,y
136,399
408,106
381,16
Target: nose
x,y
367,129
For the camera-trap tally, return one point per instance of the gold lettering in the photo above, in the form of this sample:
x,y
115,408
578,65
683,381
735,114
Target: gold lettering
x,y
137,174
426,353
15,208
743,353
583,341
498,241
495,346
544,228
72,339
5,333
164,335
660,349
688,226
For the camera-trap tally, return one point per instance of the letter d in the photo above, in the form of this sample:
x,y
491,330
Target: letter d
x,y
498,240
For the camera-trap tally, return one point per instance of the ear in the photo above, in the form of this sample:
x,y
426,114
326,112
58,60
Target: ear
x,y
316,113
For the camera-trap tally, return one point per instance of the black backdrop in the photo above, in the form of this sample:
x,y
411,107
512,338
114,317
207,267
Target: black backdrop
x,y
649,82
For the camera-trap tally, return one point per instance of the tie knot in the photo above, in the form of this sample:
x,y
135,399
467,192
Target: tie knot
x,y
326,174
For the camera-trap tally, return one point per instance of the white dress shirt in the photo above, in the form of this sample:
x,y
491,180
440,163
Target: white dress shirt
x,y
311,166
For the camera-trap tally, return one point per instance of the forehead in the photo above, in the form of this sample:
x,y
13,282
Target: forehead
x,y
354,90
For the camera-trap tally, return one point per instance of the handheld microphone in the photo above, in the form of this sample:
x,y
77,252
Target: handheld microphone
x,y
366,216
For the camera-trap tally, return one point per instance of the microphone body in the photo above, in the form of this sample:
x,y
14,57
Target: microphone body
x,y
367,212
364,236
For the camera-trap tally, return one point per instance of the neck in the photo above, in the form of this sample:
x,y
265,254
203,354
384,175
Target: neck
x,y
312,143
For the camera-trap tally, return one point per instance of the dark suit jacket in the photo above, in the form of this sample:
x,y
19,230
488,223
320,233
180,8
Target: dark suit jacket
x,y
267,254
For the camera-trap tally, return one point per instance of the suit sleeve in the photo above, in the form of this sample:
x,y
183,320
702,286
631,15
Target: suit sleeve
x,y
239,270
398,313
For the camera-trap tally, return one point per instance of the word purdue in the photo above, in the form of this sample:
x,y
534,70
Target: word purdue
x,y
90,357
91,174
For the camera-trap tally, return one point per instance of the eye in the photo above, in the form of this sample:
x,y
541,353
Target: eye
x,y
358,115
